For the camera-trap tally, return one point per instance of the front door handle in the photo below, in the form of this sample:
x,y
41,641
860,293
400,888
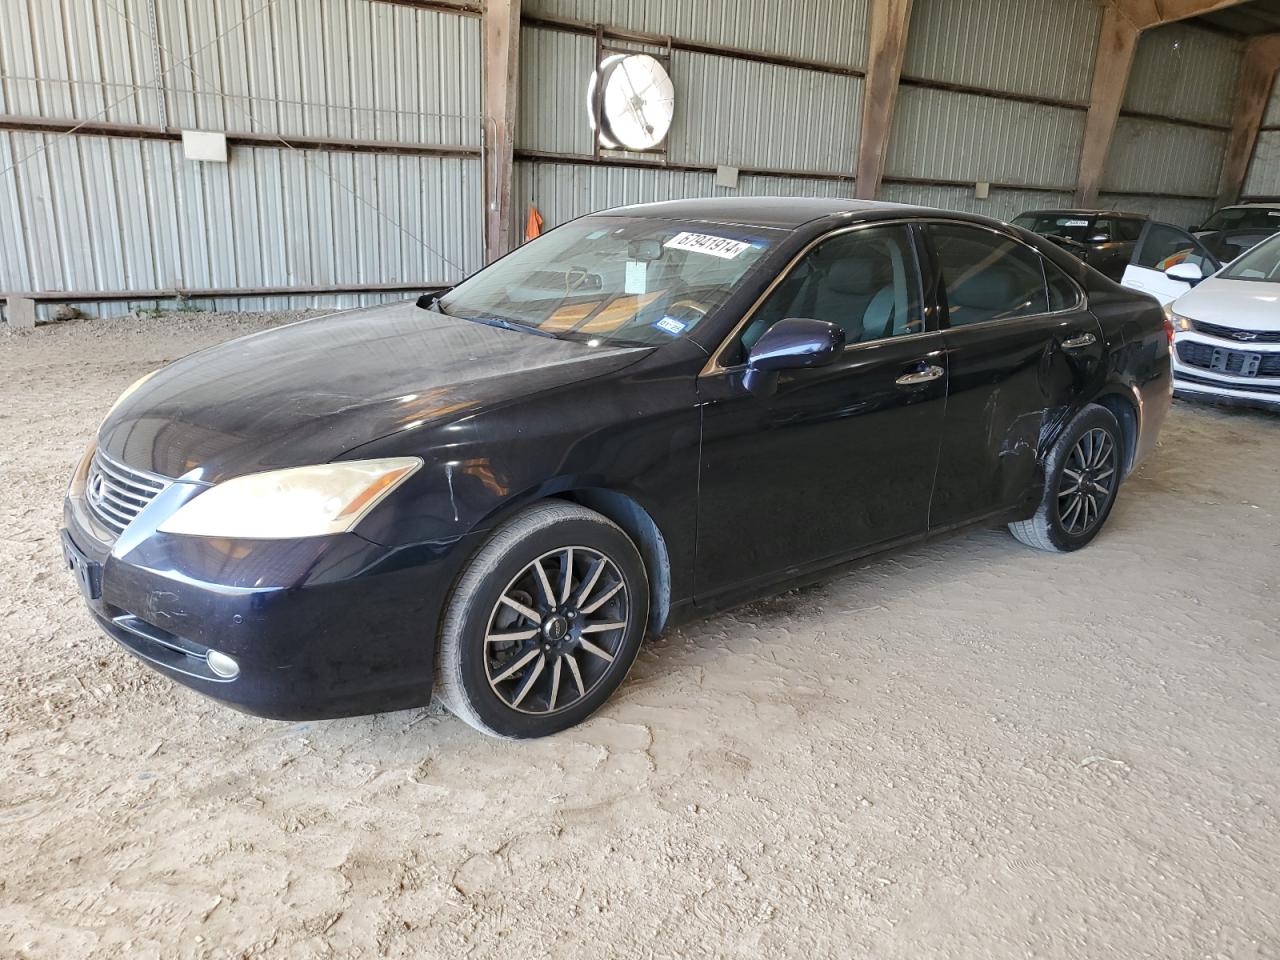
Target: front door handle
x,y
1075,343
917,377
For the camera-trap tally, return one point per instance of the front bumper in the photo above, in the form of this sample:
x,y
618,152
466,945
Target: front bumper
x,y
1229,383
320,627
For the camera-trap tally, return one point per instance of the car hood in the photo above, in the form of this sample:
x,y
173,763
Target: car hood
x,y
311,391
1247,304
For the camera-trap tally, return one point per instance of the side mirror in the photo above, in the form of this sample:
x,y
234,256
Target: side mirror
x,y
428,301
1100,238
791,344
1186,272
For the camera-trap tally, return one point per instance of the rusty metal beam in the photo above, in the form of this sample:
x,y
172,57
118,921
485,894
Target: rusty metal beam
x,y
501,77
890,22
1257,76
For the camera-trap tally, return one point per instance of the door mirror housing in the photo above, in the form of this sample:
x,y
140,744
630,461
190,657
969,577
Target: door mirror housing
x,y
791,344
428,301
796,342
1186,272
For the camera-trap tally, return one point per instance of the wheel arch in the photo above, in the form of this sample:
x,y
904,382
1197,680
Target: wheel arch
x,y
1125,409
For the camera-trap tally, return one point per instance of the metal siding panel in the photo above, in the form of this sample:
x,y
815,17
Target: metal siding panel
x,y
831,31
943,135
1264,171
1002,204
1181,70
1014,45
728,111
1179,212
1272,115
563,191
1154,157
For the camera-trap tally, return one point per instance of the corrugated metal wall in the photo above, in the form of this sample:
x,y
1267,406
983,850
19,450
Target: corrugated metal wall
x,y
1263,179
1186,72
112,213
1042,47
830,31
1148,155
1013,46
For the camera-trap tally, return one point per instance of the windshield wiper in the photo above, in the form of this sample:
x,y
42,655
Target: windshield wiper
x,y
504,324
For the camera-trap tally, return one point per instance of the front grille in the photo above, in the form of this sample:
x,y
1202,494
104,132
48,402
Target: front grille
x,y
1230,333
116,493
1235,362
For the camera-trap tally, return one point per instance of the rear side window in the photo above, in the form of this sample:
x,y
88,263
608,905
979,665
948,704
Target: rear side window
x,y
1164,246
986,276
1063,293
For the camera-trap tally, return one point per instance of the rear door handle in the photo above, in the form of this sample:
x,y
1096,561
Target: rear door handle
x,y
917,377
1075,343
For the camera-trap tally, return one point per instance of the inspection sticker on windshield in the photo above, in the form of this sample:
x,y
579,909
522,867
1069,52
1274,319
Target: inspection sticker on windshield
x,y
671,325
721,247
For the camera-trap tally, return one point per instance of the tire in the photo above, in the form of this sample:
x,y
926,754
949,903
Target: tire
x,y
482,680
1068,519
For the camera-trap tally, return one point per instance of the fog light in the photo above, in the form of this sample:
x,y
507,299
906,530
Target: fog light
x,y
222,665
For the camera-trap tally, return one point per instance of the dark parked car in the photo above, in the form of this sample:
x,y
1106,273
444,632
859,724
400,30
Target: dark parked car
x,y
1104,239
645,414
1233,230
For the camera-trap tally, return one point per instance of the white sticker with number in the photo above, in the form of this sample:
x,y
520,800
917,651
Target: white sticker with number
x,y
721,247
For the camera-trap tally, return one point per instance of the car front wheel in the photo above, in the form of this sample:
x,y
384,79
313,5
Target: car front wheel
x,y
544,623
1082,474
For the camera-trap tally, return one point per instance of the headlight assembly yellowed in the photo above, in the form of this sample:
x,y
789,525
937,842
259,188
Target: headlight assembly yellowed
x,y
286,504
1180,323
129,390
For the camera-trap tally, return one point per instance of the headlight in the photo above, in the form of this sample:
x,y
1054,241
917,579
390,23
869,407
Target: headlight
x,y
299,502
128,391
1179,323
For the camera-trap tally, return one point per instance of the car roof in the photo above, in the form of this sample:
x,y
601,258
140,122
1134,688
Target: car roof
x,y
1084,212
783,212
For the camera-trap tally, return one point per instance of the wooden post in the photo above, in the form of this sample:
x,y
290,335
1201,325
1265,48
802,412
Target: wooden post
x,y
1257,75
890,22
501,76
1116,46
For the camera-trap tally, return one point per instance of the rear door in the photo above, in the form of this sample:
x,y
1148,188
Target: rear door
x,y
1161,246
1021,346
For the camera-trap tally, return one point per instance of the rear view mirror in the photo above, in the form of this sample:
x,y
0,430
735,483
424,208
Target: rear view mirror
x,y
1186,272
646,250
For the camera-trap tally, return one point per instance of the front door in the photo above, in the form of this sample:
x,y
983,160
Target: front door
x,y
1160,247
1021,345
833,460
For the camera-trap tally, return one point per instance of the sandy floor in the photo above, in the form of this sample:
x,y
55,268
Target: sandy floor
x,y
969,749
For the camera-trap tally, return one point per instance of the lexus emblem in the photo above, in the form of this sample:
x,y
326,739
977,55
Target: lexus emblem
x,y
95,489
1244,335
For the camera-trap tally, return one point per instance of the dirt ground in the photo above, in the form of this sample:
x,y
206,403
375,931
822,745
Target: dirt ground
x,y
969,749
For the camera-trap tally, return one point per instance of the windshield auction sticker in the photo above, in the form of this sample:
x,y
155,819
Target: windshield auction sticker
x,y
721,247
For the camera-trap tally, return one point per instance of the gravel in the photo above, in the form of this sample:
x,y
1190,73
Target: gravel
x,y
965,749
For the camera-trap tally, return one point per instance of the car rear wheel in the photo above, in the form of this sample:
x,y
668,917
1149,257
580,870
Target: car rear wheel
x,y
1082,474
544,623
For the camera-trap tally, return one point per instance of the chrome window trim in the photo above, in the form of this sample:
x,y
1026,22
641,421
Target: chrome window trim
x,y
715,366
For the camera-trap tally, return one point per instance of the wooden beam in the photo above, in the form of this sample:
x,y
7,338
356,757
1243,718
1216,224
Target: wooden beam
x,y
1116,46
890,23
1257,76
501,76
1145,14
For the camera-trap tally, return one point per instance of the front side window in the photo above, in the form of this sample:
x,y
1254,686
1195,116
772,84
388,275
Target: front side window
x,y
1260,263
1128,230
986,276
1164,246
627,281
863,281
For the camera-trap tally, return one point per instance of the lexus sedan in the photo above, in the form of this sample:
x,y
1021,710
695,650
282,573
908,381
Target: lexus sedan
x,y
644,415
1227,332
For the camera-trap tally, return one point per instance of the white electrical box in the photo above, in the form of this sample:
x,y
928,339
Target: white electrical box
x,y
982,190
204,145
727,177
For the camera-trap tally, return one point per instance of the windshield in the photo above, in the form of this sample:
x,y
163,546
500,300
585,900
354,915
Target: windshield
x,y
1073,227
1260,263
617,280
1244,218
